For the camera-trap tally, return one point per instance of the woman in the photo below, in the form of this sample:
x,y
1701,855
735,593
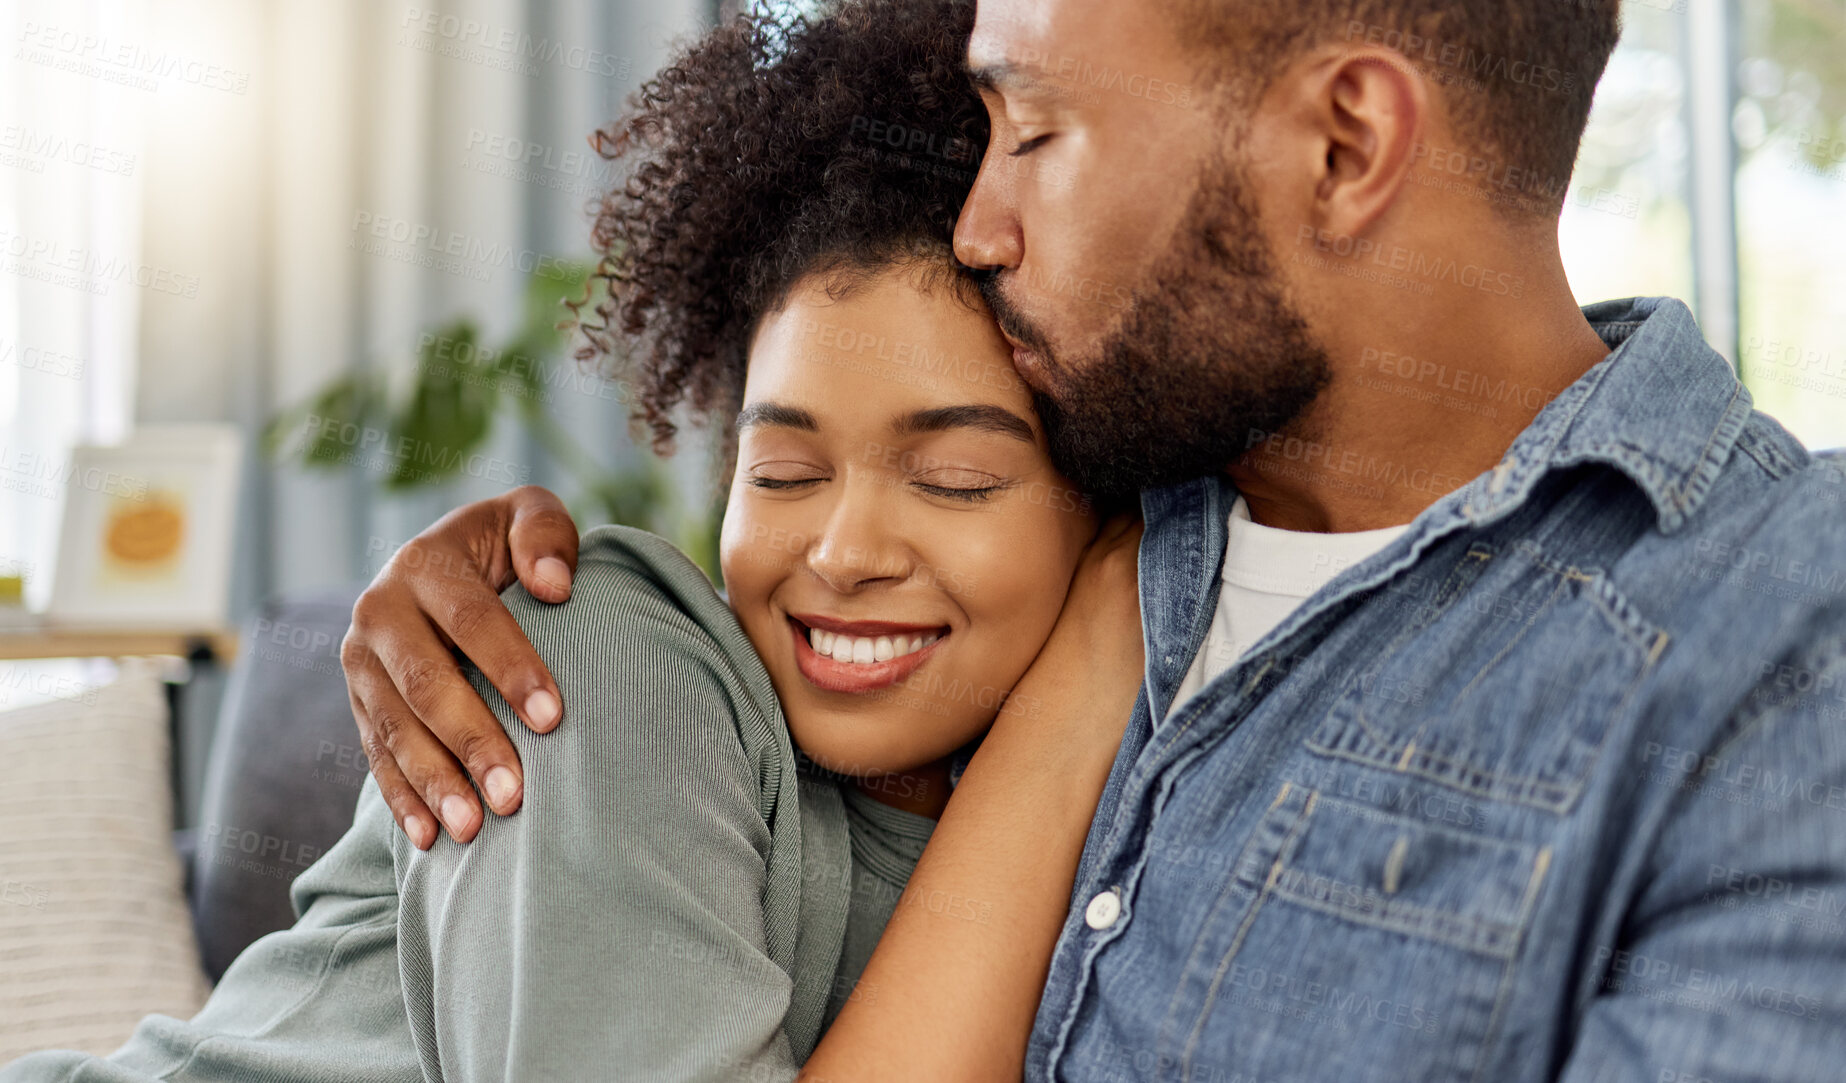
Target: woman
x,y
681,896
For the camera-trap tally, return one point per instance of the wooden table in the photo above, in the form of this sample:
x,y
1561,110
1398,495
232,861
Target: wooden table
x,y
218,644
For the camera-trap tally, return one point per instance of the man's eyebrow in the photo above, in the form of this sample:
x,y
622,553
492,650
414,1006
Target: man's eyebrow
x,y
1002,76
775,413
983,417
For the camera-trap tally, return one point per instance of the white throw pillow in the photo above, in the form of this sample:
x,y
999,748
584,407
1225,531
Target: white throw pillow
x,y
94,930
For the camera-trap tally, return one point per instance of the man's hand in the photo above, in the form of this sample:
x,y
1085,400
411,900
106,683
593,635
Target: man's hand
x,y
419,718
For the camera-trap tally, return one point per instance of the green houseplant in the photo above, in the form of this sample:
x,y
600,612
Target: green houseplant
x,y
433,432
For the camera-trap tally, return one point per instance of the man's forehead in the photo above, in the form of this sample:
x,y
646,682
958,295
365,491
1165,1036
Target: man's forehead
x,y
1006,29
1015,37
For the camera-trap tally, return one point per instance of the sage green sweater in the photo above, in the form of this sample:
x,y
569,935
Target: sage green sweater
x,y
671,903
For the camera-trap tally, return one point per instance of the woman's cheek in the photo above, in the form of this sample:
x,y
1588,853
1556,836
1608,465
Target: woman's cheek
x,y
733,551
763,540
1031,605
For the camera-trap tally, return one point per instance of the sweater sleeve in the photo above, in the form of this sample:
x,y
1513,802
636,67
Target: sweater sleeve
x,y
637,911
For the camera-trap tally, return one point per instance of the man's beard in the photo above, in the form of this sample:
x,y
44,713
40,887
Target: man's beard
x,y
1208,360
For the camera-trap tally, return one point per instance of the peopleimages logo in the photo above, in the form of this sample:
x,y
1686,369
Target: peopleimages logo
x,y
118,61
1395,257
447,250
532,155
86,269
950,148
1092,80
375,449
1666,979
513,45
32,144
1463,58
1481,385
1829,580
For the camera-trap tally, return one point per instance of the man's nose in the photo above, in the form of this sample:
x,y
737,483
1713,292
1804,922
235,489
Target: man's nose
x,y
987,235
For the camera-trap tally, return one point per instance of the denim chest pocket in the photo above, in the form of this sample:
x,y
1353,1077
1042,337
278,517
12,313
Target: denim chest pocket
x,y
1355,944
1512,702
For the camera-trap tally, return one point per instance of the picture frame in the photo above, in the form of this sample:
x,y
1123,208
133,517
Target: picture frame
x,y
146,538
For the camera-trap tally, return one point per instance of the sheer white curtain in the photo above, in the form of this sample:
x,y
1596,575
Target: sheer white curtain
x,y
72,274
302,126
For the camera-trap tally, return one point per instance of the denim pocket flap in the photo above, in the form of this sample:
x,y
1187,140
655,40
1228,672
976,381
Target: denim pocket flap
x,y
1515,701
1413,877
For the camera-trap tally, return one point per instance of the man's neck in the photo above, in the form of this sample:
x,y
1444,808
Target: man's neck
x,y
1424,398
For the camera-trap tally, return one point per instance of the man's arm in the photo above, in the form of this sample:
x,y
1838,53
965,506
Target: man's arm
x,y
419,720
1732,962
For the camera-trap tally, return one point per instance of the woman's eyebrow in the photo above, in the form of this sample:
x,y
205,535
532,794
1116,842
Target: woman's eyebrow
x,y
775,413
982,416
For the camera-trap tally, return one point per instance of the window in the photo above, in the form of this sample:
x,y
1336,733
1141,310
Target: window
x,y
1627,224
1714,170
1789,123
69,214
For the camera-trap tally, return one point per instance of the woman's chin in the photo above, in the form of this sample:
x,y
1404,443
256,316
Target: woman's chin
x,y
875,744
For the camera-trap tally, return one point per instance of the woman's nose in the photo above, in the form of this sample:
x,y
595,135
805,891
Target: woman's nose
x,y
857,548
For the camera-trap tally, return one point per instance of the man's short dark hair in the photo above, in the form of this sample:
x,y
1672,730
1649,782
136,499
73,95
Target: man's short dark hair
x,y
1518,75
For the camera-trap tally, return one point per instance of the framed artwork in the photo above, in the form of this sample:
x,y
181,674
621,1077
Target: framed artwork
x,y
147,533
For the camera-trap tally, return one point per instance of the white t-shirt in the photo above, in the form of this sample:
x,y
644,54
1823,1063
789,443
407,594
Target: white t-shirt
x,y
1267,573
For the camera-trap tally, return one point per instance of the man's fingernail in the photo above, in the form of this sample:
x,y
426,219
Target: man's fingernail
x,y
416,830
454,813
501,786
554,573
542,708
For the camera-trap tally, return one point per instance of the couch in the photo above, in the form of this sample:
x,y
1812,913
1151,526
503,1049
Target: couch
x,y
283,775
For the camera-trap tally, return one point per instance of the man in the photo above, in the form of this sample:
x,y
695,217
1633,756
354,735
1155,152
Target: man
x,y
1491,724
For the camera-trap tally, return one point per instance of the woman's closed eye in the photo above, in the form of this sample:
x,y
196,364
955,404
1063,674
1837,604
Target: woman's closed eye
x,y
776,476
775,484
970,486
969,495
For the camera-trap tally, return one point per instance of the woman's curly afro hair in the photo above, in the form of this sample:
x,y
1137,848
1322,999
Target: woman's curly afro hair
x,y
774,148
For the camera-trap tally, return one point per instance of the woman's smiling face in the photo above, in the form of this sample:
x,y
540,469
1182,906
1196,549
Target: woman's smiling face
x,y
897,544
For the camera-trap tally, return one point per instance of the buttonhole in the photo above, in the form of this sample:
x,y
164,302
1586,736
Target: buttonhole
x,y
1394,864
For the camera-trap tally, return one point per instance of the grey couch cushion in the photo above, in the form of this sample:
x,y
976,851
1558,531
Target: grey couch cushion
x,y
284,774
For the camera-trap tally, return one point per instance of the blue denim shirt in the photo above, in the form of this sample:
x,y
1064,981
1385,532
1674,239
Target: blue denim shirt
x,y
1551,787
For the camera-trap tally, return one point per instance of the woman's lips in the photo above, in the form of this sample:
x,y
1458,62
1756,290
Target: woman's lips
x,y
830,675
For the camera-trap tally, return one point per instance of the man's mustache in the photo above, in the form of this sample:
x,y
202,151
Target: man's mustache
x,y
1011,320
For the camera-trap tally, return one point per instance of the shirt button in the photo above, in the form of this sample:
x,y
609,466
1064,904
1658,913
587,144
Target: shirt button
x,y
1103,910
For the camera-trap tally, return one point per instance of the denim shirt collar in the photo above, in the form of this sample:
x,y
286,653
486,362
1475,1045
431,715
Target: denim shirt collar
x,y
1662,408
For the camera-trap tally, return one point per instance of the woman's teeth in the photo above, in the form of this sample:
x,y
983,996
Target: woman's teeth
x,y
864,650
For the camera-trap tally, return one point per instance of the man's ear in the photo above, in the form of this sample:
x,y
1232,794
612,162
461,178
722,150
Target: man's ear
x,y
1368,108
